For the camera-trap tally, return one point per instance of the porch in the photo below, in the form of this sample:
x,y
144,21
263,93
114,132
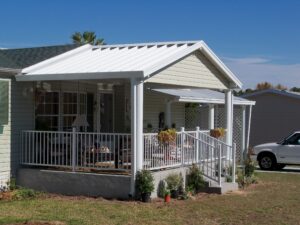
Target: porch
x,y
97,115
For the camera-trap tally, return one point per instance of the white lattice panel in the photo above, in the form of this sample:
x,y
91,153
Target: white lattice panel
x,y
198,116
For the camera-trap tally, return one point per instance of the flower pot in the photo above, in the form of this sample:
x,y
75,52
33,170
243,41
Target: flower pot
x,y
167,198
174,193
146,197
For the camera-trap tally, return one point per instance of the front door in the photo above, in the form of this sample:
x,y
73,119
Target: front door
x,y
106,112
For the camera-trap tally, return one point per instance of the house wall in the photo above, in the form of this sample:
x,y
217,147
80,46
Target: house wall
x,y
5,143
194,70
273,118
155,103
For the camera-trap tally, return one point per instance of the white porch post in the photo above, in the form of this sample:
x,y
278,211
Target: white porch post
x,y
168,114
211,116
137,146
229,116
243,133
133,135
139,123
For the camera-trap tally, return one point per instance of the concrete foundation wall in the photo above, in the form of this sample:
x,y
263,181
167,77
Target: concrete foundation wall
x,y
68,183
162,175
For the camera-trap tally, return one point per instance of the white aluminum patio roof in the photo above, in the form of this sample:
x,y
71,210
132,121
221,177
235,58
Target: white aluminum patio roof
x,y
202,96
120,61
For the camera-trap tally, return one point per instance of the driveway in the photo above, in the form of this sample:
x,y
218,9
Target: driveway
x,y
287,169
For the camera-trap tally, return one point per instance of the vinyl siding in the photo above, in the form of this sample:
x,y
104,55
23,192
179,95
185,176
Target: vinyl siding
x,y
155,103
195,70
5,145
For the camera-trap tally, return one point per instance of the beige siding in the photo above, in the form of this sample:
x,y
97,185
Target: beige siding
x,y
274,117
194,70
5,146
155,103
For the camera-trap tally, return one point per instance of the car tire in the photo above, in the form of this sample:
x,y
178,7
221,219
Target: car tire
x,y
267,162
280,166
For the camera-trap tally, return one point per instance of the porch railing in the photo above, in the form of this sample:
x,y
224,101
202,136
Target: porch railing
x,y
76,150
215,158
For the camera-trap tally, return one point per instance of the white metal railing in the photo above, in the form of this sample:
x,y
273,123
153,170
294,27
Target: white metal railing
x,y
215,158
76,150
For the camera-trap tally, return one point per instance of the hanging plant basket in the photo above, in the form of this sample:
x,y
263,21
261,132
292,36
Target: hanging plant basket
x,y
217,132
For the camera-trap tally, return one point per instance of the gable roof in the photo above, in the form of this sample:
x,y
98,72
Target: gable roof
x,y
202,96
273,91
120,61
24,57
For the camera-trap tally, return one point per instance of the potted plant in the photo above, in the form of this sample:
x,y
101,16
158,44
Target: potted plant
x,y
167,136
173,182
217,132
167,196
144,184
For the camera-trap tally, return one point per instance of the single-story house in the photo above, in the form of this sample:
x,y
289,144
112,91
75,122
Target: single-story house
x,y
72,112
275,115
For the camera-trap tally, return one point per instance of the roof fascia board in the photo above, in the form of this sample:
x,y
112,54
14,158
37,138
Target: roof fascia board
x,y
80,76
219,64
214,101
10,70
272,91
57,58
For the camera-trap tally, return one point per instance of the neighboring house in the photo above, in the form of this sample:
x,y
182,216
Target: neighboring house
x,y
96,108
275,115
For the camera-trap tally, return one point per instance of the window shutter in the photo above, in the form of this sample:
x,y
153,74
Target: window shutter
x,y
4,95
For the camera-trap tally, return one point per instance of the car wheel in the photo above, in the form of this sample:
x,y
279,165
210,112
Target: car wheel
x,y
280,166
266,162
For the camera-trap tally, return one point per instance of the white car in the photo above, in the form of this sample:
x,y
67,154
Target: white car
x,y
277,155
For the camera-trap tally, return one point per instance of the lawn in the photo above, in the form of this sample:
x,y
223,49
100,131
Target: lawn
x,y
276,200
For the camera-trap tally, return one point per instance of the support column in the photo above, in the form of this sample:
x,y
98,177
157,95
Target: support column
x,y
243,149
168,114
133,135
139,123
211,116
229,116
137,146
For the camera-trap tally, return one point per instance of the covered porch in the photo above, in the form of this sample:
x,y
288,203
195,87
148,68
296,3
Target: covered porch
x,y
93,117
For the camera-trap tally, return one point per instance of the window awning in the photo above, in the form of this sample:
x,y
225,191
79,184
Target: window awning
x,y
201,96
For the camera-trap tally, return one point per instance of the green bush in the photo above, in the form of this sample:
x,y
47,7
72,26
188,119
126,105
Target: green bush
x,y
144,182
195,180
249,167
12,184
174,181
23,193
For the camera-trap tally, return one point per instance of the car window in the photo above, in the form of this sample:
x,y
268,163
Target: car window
x,y
294,140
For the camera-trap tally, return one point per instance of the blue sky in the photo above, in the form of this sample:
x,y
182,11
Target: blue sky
x,y
258,39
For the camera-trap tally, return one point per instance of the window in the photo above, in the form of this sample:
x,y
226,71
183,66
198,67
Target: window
x,y
72,105
294,140
47,111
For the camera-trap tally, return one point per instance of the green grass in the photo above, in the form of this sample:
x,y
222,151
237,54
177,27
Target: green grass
x,y
276,200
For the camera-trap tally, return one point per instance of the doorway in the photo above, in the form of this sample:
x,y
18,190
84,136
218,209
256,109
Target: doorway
x,y
106,112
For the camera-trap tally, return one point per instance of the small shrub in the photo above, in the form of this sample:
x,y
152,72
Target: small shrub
x,y
195,180
144,182
174,181
12,184
161,189
249,167
167,136
217,132
24,193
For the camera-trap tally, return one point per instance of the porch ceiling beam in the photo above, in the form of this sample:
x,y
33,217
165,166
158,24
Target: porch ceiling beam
x,y
213,101
80,76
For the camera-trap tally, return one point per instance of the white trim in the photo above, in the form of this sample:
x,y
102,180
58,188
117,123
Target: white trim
x,y
215,101
80,76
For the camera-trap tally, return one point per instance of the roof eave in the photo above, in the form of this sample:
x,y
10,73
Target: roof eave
x,y
80,76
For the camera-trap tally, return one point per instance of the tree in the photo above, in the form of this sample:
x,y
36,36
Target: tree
x,y
280,87
263,86
87,37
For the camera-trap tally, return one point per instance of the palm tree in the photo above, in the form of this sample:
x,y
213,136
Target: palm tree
x,y
87,37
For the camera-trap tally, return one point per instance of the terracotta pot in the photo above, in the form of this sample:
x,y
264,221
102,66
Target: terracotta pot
x,y
167,198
